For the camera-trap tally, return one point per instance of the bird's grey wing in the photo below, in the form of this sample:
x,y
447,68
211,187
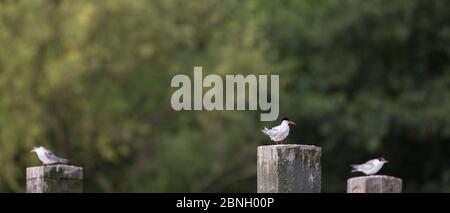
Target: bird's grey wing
x,y
54,158
367,165
274,131
51,156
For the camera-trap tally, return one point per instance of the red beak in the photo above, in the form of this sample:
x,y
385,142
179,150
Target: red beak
x,y
292,122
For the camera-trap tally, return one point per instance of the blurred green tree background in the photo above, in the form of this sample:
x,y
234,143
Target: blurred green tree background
x,y
90,80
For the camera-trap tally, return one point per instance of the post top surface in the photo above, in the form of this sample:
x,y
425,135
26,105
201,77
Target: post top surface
x,y
374,177
284,146
55,171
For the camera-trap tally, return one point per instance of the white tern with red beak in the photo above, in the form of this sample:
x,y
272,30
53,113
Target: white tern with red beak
x,y
280,132
370,167
47,157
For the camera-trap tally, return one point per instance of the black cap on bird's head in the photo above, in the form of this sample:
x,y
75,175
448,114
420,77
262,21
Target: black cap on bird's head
x,y
288,120
383,160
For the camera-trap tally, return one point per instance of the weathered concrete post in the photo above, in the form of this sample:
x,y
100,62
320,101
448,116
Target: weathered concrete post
x,y
289,168
55,179
374,184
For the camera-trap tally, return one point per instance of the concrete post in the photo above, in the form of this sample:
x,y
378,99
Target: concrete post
x,y
289,168
374,184
55,179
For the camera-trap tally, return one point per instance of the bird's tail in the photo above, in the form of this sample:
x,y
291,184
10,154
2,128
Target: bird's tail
x,y
355,167
63,161
265,130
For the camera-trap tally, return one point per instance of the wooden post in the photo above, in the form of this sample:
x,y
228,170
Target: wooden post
x,y
374,184
288,168
55,179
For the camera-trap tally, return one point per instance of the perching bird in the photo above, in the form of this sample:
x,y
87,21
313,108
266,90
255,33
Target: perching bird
x,y
47,157
280,132
370,167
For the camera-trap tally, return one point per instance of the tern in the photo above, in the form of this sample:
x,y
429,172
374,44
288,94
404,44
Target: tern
x,y
280,132
370,167
47,157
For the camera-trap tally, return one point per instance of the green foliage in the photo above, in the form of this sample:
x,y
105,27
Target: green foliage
x,y
91,81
